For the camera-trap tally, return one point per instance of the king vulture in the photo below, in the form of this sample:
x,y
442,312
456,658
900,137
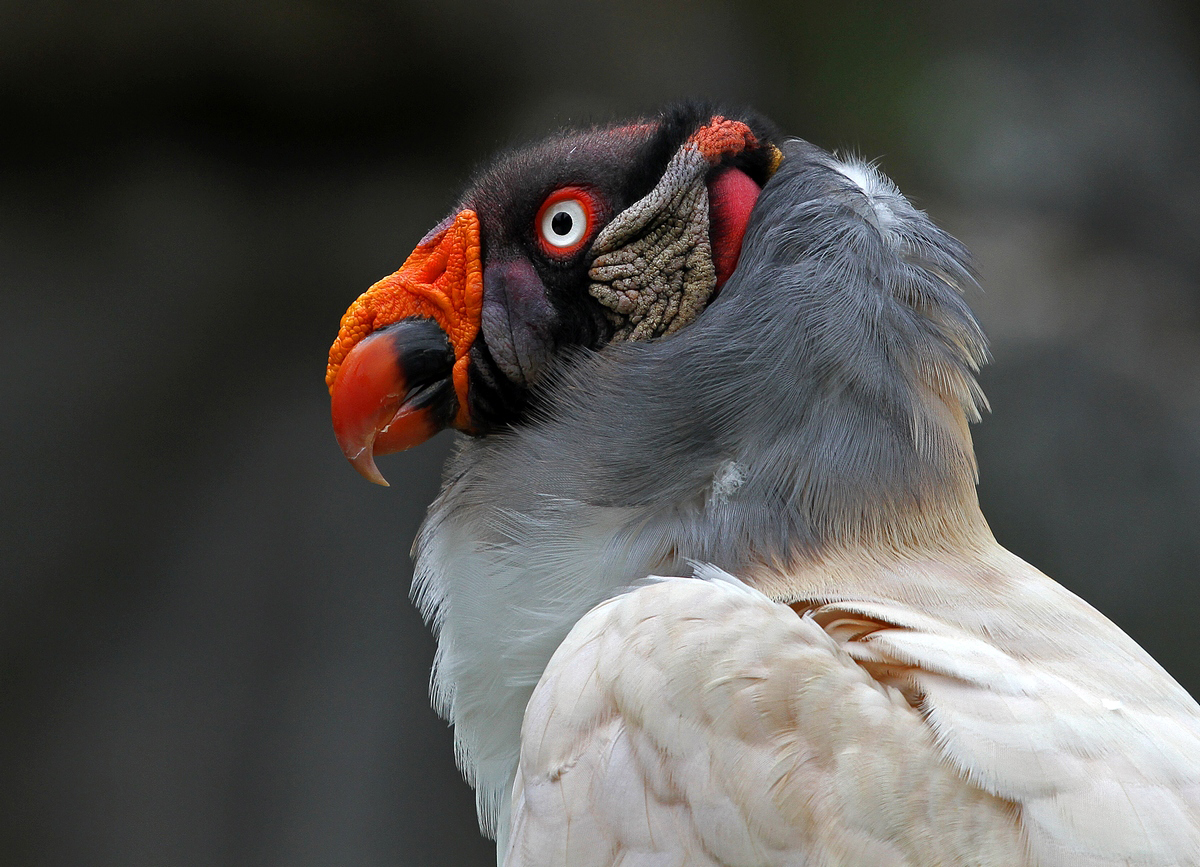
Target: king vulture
x,y
709,577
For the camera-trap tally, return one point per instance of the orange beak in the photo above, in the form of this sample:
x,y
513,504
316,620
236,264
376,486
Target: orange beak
x,y
397,372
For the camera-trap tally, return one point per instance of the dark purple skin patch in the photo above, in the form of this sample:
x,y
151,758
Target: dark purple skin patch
x,y
517,319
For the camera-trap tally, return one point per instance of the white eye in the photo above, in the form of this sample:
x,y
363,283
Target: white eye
x,y
564,223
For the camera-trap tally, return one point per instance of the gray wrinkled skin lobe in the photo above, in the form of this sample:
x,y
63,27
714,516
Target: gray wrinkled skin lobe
x,y
654,270
821,374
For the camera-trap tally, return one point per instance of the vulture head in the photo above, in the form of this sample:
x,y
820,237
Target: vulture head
x,y
588,238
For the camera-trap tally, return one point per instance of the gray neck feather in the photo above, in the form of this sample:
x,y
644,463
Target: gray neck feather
x,y
820,402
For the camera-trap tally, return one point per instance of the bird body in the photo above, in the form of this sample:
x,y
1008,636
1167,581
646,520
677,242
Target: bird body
x,y
717,589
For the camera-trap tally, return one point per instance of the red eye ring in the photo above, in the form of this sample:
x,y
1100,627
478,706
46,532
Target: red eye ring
x,y
566,221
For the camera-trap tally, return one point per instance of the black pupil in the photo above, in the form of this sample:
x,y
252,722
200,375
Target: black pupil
x,y
561,223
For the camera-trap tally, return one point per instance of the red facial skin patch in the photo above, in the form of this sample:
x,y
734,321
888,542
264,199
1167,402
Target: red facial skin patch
x,y
731,198
441,280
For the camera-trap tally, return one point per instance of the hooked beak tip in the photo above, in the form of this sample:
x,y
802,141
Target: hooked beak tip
x,y
364,462
357,443
393,391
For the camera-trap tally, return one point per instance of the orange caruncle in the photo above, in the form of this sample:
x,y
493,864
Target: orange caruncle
x,y
441,280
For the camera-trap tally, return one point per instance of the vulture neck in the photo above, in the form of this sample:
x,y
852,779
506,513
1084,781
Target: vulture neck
x,y
820,402
817,411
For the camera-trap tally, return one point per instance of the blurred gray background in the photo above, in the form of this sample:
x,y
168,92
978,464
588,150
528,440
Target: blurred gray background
x,y
207,656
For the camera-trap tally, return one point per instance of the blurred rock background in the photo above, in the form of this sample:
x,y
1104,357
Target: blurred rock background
x,y
207,656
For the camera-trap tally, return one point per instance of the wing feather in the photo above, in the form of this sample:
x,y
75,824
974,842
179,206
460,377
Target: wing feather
x,y
1100,780
853,733
745,735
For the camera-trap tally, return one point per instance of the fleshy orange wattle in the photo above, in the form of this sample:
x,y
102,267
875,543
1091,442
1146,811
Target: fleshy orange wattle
x,y
441,280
